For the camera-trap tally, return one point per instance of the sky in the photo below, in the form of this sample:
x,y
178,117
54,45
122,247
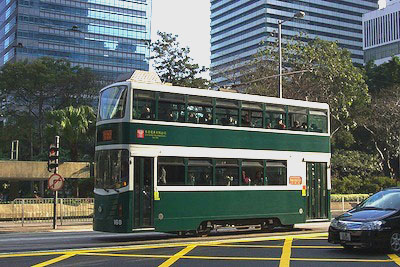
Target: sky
x,y
190,20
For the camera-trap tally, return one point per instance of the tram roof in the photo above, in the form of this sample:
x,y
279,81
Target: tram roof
x,y
162,87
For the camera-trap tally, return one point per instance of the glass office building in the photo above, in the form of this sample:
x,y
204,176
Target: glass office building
x,y
382,33
109,36
239,26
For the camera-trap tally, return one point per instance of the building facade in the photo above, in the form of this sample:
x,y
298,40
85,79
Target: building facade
x,y
109,36
381,30
239,26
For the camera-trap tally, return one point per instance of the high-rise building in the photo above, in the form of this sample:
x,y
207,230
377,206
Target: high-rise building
x,y
382,33
239,26
108,36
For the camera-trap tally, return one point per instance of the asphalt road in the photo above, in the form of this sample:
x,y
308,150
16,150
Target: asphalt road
x,y
155,249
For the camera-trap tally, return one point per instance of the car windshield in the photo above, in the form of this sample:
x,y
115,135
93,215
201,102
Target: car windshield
x,y
382,200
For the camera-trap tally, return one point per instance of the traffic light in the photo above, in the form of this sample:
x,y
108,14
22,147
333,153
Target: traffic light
x,y
52,162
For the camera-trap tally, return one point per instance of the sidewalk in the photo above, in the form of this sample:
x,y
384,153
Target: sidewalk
x,y
10,227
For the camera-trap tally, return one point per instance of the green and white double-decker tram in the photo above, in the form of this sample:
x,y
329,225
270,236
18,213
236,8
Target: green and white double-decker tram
x,y
175,159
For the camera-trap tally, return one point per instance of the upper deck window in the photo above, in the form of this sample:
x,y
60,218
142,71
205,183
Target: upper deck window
x,y
171,107
297,118
275,117
144,105
252,114
227,112
112,103
200,109
318,121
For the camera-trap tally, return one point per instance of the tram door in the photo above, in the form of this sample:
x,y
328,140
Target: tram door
x,y
143,192
317,191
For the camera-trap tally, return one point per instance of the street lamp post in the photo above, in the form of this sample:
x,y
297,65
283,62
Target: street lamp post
x,y
298,15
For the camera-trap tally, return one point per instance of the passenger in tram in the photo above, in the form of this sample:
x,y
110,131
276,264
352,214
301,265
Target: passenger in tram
x,y
246,120
146,113
296,126
246,179
280,125
162,179
259,179
304,126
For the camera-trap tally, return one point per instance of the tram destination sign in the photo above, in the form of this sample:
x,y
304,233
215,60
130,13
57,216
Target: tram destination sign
x,y
55,182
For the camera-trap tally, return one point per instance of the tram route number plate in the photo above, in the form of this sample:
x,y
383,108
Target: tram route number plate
x,y
345,236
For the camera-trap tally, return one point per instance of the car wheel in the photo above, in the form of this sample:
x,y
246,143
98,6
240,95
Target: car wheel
x,y
394,242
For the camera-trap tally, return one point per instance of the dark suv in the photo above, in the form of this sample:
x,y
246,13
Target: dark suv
x,y
373,223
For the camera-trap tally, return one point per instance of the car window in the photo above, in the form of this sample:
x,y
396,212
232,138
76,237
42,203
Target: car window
x,y
383,200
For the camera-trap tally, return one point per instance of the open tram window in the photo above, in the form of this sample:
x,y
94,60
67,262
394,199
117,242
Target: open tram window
x,y
112,169
253,172
227,172
199,109
275,117
144,104
171,171
199,172
318,121
171,107
297,119
227,112
276,172
252,115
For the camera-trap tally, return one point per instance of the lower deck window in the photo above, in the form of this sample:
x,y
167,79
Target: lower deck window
x,y
112,169
176,171
171,171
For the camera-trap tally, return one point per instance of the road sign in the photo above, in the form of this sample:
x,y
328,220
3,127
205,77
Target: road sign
x,y
56,182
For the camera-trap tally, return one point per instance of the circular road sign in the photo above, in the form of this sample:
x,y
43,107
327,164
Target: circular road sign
x,y
56,182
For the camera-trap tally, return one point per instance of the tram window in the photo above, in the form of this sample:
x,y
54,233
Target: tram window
x,y
199,109
227,172
112,169
276,172
227,112
171,107
199,172
112,103
251,115
252,172
275,117
318,121
144,104
297,119
171,171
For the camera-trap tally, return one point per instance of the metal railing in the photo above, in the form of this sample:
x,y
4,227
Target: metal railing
x,y
40,210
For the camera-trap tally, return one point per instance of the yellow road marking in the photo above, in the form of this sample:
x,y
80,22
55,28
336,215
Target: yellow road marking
x,y
128,255
395,258
58,259
286,252
177,256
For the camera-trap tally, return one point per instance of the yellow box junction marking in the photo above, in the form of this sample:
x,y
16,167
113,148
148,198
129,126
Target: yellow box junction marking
x,y
284,260
286,252
58,259
177,256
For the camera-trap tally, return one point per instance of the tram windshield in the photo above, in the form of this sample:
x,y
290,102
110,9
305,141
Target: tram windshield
x,y
112,103
112,169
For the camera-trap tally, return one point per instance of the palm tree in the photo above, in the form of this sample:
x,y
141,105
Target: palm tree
x,y
74,126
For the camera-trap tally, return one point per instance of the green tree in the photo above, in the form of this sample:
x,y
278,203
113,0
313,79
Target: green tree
x,y
382,122
33,88
173,63
325,73
75,126
383,76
